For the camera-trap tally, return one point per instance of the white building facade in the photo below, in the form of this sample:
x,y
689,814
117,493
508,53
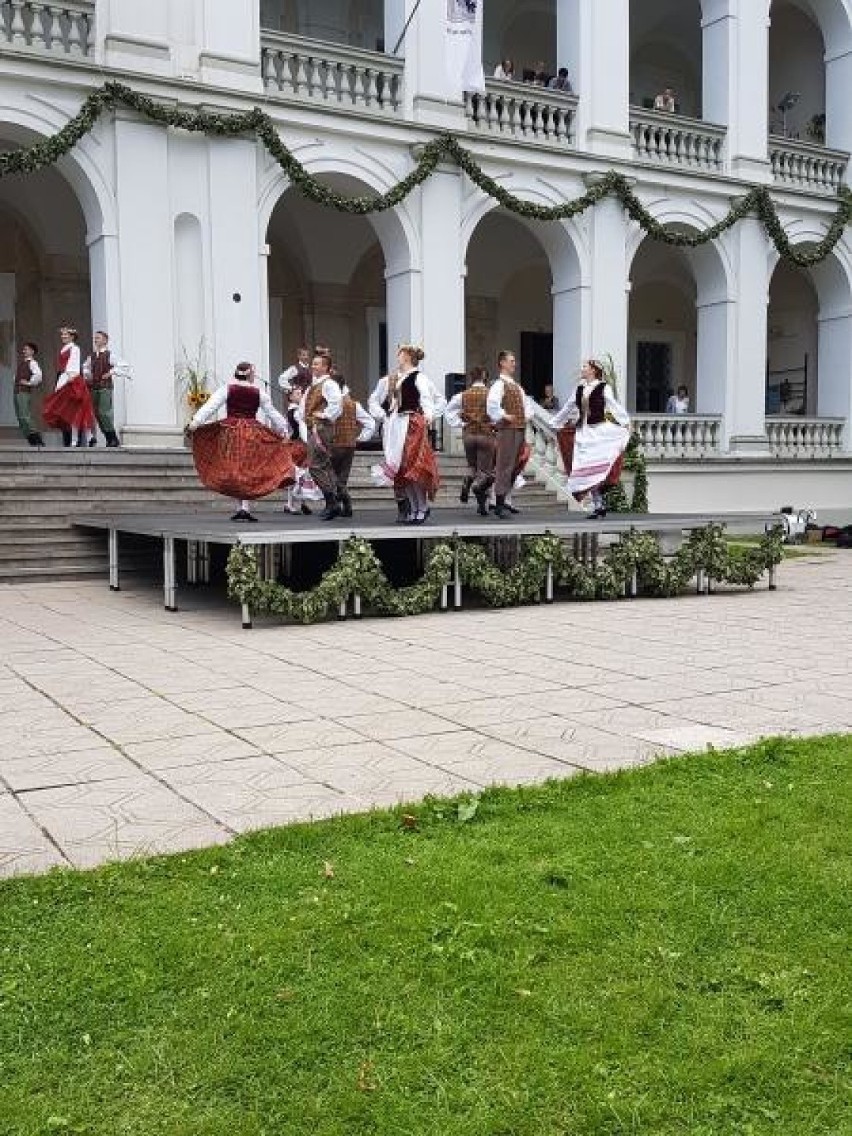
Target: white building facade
x,y
186,246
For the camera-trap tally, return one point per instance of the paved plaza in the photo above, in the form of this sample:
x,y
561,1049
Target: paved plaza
x,y
127,731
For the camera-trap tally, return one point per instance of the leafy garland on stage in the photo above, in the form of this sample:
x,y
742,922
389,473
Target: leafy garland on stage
x,y
358,570
445,148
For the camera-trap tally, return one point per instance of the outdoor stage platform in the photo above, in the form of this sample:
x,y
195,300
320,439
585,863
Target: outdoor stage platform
x,y
281,531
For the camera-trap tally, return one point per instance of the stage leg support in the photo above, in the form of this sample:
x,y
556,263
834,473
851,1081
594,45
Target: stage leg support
x,y
169,582
344,603
548,583
246,617
112,542
192,562
457,584
773,582
204,561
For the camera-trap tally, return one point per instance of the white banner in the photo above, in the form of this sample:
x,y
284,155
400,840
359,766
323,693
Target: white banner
x,y
463,35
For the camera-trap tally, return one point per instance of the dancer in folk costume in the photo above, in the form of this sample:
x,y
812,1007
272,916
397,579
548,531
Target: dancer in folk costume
x,y
294,382
318,411
601,437
404,403
238,456
509,408
27,377
353,426
469,411
100,370
69,408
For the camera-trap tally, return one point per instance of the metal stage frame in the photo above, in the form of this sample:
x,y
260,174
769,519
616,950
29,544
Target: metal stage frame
x,y
274,532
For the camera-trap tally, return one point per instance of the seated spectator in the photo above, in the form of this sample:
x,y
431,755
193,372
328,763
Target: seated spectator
x,y
678,403
549,400
505,70
540,75
561,82
666,101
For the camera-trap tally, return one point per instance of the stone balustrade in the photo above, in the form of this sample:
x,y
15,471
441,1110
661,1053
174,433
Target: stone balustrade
x,y
806,438
60,29
329,73
801,164
676,140
678,436
523,112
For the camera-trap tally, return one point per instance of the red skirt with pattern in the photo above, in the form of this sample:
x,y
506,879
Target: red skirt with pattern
x,y
524,454
300,454
70,407
419,464
240,458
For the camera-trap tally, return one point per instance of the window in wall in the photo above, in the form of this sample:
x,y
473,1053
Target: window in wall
x,y
653,376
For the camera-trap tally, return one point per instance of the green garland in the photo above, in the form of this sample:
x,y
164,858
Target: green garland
x,y
445,148
636,555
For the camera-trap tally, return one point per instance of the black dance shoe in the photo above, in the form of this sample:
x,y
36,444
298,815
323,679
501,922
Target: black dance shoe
x,y
243,515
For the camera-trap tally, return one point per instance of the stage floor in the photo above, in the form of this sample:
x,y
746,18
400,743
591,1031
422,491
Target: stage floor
x,y
380,524
200,530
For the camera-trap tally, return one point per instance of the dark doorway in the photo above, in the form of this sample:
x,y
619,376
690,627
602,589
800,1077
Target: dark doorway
x,y
536,362
653,377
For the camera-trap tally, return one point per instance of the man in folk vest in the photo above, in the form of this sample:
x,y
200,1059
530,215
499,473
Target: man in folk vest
x,y
353,426
469,411
319,410
98,370
508,408
27,376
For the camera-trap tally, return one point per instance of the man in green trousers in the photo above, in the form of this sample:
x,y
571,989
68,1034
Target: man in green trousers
x,y
99,369
27,376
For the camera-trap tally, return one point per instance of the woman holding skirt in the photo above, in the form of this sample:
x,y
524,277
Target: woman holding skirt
x,y
70,408
238,456
404,403
600,438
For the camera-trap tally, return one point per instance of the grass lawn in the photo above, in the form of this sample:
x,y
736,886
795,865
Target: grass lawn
x,y
661,951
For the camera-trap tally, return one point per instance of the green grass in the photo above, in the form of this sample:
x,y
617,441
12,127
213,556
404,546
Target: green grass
x,y
663,951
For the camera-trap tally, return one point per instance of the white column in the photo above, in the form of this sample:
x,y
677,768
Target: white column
x,y
443,274
107,310
838,105
593,42
239,313
834,393
716,324
145,272
605,328
567,337
134,36
230,44
745,402
428,97
403,307
395,17
736,81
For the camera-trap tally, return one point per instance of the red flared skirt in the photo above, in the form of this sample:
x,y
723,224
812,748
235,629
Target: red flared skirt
x,y
240,458
70,407
524,454
419,464
300,454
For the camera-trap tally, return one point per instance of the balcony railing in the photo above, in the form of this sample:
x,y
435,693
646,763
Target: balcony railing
x,y
675,140
805,437
329,73
522,111
679,436
60,29
803,165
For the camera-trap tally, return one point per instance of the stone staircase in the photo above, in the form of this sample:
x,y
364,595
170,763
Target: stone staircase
x,y
41,490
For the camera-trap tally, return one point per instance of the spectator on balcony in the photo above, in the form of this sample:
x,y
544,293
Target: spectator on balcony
x,y
665,101
505,70
538,76
678,403
561,82
549,400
